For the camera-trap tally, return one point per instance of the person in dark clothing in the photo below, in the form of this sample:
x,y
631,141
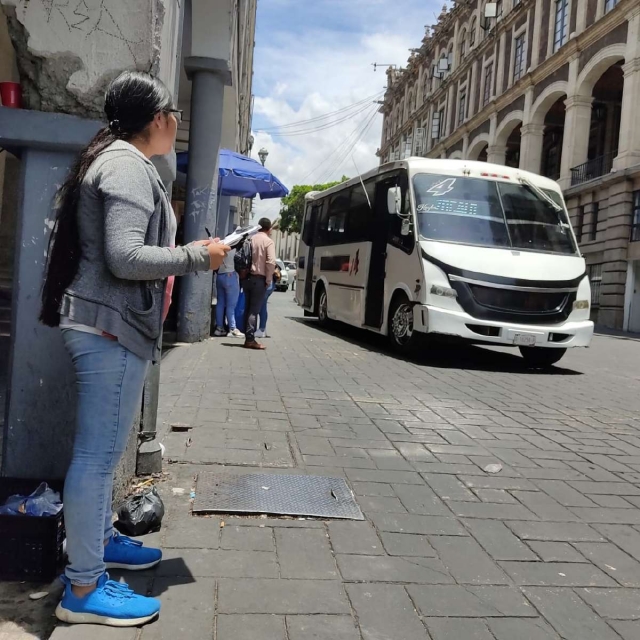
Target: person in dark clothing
x,y
263,264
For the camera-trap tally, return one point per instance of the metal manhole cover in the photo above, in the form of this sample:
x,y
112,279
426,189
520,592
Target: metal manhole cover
x,y
289,495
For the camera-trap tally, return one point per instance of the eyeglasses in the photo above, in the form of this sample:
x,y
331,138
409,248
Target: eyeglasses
x,y
177,113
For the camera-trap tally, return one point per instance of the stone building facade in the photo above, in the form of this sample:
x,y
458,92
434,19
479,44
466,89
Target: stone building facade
x,y
550,86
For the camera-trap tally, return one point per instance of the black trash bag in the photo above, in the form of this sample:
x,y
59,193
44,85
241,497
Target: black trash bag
x,y
141,513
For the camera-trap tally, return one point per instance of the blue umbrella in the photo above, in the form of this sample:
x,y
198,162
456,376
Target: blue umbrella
x,y
241,176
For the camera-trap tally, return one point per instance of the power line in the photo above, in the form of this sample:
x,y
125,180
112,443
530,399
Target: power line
x,y
326,116
338,150
322,127
350,144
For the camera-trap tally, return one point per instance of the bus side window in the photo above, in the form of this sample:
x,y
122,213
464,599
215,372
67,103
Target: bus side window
x,y
310,221
360,213
337,218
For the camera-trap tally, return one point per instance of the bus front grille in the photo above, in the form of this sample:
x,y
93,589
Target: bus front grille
x,y
518,301
514,304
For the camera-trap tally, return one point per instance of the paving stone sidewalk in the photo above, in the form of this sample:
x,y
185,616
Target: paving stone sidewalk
x,y
546,549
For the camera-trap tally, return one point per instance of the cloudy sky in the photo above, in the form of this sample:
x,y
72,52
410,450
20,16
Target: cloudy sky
x,y
314,57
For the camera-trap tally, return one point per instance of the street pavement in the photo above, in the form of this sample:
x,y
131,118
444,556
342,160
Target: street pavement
x,y
546,549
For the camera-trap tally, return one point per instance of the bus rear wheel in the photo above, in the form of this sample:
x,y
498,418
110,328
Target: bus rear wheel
x,y
322,305
403,338
541,358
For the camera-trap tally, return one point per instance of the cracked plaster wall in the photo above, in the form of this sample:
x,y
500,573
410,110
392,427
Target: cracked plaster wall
x,y
68,50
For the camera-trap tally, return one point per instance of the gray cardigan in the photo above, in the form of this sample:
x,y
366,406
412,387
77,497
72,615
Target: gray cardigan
x,y
125,223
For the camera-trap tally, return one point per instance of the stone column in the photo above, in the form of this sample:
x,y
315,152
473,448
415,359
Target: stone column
x,y
208,78
535,38
575,142
497,154
465,146
629,143
532,136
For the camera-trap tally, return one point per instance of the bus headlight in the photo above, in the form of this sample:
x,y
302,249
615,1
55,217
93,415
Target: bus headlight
x,y
581,304
447,292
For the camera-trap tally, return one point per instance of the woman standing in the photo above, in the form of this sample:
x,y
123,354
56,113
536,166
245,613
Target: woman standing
x,y
108,287
228,292
264,313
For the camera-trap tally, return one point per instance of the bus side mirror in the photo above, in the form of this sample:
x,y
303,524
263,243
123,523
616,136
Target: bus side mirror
x,y
394,200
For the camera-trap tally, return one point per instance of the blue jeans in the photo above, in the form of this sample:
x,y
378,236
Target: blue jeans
x,y
228,288
109,382
264,314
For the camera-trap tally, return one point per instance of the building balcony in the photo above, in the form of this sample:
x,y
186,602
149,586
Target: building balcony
x,y
593,169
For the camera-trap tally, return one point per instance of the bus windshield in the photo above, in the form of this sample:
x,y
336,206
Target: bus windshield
x,y
491,214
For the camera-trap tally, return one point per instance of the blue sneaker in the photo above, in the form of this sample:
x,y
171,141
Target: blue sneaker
x,y
124,553
112,604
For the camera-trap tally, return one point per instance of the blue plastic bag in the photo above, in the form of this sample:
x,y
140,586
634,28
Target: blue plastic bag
x,y
44,501
240,312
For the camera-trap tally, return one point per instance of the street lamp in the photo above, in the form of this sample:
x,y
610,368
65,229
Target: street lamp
x,y
262,154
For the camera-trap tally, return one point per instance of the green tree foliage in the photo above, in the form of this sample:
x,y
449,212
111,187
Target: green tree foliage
x,y
292,210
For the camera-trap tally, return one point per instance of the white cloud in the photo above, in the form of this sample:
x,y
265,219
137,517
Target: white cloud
x,y
307,70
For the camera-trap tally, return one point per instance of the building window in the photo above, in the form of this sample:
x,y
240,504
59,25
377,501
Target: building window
x,y
609,5
498,8
635,217
595,212
437,124
463,45
595,279
561,27
580,224
462,107
488,79
472,32
519,61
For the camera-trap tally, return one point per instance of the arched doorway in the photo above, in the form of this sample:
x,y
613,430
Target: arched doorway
x,y
512,156
552,139
604,128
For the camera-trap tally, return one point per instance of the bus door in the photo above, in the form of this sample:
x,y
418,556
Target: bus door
x,y
309,239
374,305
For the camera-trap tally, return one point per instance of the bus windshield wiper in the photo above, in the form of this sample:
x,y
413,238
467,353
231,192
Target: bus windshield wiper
x,y
541,194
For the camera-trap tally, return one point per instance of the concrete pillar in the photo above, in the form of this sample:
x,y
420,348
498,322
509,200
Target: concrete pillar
x,y
208,79
501,58
450,111
537,28
497,154
224,212
581,18
532,136
493,127
473,106
575,142
40,412
465,146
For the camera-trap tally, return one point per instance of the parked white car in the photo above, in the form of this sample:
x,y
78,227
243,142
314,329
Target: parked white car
x,y
292,272
283,285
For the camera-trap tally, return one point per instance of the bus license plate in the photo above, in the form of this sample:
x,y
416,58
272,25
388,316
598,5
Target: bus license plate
x,y
524,339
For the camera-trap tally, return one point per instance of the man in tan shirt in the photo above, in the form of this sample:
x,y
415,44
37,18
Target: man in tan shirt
x,y
263,264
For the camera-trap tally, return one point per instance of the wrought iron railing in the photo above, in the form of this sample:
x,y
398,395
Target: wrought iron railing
x,y
593,169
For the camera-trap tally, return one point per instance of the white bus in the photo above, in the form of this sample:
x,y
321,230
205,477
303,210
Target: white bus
x,y
468,249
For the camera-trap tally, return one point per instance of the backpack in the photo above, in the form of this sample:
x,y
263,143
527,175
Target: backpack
x,y
243,259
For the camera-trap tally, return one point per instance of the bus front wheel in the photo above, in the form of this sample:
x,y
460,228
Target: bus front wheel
x,y
401,333
541,358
